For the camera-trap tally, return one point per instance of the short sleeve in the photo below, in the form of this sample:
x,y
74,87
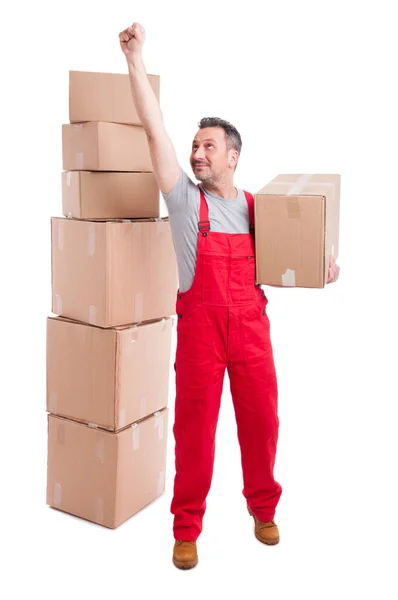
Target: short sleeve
x,y
182,193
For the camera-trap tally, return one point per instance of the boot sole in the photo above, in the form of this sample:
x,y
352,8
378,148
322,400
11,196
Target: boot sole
x,y
273,543
185,565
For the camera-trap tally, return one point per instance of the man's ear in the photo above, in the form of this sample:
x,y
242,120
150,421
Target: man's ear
x,y
233,161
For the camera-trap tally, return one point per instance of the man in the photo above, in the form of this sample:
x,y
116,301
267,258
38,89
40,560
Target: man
x,y
222,320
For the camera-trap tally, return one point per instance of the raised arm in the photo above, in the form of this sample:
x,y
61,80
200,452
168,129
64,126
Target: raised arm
x,y
163,155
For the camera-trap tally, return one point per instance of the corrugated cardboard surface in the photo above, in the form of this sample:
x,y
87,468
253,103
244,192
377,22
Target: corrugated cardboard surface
x,y
297,229
113,273
103,195
99,146
104,97
106,477
107,377
142,465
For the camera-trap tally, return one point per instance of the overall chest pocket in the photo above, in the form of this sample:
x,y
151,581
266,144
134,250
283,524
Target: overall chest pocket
x,y
242,278
227,279
214,276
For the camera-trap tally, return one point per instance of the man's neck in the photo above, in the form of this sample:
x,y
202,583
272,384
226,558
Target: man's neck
x,y
229,192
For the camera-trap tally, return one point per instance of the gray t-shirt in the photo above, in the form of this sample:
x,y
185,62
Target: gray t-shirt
x,y
225,216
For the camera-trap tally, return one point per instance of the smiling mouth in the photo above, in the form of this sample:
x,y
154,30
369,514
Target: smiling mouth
x,y
200,166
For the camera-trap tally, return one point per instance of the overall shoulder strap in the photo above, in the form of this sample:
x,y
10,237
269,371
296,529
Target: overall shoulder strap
x,y
204,223
250,204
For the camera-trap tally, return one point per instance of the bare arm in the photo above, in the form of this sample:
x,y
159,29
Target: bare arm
x,y
163,155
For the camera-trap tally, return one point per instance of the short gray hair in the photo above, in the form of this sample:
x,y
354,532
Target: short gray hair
x,y
232,135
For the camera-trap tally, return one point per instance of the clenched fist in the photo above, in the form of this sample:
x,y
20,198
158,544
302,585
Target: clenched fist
x,y
132,39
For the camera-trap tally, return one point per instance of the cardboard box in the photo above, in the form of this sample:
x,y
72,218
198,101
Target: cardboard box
x,y
111,273
106,477
105,147
297,230
104,195
104,97
107,377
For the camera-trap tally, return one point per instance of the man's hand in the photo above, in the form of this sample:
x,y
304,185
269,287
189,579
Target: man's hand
x,y
334,270
132,39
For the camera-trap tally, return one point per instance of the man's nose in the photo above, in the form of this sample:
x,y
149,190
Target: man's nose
x,y
199,153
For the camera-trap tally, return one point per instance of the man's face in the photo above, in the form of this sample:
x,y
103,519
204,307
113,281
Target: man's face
x,y
210,160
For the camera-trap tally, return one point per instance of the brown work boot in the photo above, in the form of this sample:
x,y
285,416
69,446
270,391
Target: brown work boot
x,y
185,555
265,532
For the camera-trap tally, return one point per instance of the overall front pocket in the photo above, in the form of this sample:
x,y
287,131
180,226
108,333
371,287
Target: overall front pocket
x,y
242,278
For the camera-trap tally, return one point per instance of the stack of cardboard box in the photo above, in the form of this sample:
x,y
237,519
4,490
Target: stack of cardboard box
x,y
114,280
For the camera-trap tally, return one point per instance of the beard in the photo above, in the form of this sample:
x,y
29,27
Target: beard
x,y
204,175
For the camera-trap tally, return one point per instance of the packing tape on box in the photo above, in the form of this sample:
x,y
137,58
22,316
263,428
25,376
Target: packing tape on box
x,y
57,494
60,235
52,402
122,417
92,315
91,240
161,481
99,509
143,405
296,189
289,278
132,222
79,160
135,436
139,307
100,448
58,304
159,423
68,178
293,207
134,333
297,185
160,225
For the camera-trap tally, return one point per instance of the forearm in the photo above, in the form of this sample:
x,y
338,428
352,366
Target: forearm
x,y
146,103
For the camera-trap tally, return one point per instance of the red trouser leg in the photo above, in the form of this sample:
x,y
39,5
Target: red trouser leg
x,y
254,393
199,381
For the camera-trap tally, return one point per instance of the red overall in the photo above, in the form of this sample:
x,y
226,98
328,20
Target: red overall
x,y
222,323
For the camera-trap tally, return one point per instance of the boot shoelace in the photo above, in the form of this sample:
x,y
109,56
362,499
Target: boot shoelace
x,y
265,525
179,542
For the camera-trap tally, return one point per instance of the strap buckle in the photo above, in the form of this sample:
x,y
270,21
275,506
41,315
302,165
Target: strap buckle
x,y
204,227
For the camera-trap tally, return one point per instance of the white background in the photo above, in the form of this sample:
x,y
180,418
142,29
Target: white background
x,y
311,88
